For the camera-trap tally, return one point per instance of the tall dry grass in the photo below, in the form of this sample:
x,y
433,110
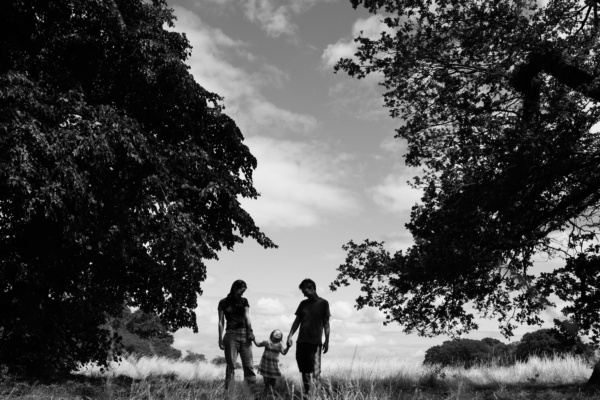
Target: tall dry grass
x,y
556,370
156,378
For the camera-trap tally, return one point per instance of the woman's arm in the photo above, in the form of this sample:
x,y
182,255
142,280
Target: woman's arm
x,y
221,327
248,324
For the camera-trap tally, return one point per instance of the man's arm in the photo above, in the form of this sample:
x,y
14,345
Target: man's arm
x,y
326,329
221,327
293,330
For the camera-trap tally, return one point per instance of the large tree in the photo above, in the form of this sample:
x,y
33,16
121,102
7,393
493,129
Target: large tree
x,y
119,176
498,102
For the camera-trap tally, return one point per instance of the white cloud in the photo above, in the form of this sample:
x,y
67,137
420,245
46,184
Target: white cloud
x,y
334,52
341,310
395,195
213,64
371,28
371,315
362,98
300,184
269,306
359,341
398,240
210,280
275,16
205,309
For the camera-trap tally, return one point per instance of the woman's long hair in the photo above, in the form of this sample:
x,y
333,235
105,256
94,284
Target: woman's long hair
x,y
237,285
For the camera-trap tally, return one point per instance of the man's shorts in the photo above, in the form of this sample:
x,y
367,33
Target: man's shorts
x,y
308,357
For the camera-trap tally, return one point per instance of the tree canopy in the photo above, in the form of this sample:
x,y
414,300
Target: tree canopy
x,y
142,334
119,176
498,102
467,352
551,342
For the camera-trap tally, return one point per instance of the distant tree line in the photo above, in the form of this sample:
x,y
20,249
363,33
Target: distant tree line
x,y
143,334
541,343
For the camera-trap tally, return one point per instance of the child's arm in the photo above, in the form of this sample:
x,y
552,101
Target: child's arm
x,y
284,351
257,344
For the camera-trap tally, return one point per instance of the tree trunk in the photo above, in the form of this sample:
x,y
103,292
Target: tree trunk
x,y
595,378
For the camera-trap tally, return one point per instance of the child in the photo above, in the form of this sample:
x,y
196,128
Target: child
x,y
269,363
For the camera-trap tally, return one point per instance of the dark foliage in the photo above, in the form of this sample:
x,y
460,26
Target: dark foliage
x,y
143,334
498,101
192,357
551,342
220,360
119,175
468,353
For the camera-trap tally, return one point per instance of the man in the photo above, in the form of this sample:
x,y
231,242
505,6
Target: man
x,y
312,316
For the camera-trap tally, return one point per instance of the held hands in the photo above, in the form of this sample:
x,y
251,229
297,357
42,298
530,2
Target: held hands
x,y
289,342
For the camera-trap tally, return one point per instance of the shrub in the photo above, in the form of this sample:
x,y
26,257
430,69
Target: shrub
x,y
192,357
550,342
459,352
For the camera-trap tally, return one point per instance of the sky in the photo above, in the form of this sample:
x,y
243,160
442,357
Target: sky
x,y
329,169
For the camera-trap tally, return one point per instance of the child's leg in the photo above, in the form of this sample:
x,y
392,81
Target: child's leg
x,y
269,385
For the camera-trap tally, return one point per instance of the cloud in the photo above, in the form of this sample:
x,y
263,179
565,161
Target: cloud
x,y
371,315
272,17
341,310
269,306
275,17
205,309
301,184
215,64
395,195
399,241
362,98
371,28
359,341
210,280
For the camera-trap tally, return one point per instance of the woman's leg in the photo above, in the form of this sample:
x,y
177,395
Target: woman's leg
x,y
245,349
247,365
231,353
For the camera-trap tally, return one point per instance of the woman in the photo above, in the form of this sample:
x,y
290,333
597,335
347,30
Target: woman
x,y
238,333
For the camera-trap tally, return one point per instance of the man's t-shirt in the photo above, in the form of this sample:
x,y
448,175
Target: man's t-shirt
x,y
312,314
234,310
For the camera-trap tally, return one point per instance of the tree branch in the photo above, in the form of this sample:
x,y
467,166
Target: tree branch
x,y
554,64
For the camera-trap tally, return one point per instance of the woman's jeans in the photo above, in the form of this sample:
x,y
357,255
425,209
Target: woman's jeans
x,y
236,342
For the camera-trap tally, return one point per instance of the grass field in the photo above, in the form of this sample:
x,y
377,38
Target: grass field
x,y
159,378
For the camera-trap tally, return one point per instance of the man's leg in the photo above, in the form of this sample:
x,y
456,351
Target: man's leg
x,y
306,379
316,374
